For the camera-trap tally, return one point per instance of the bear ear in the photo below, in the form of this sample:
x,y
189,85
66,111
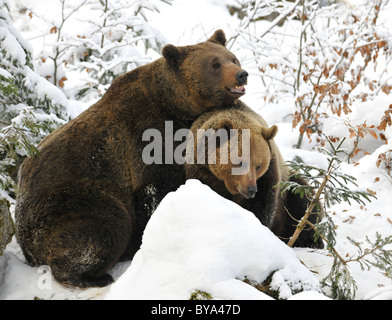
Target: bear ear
x,y
218,37
269,133
225,124
172,55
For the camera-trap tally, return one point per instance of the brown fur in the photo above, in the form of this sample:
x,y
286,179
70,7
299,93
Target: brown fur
x,y
260,153
76,210
267,168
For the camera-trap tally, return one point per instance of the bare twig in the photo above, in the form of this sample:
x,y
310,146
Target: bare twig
x,y
273,24
280,18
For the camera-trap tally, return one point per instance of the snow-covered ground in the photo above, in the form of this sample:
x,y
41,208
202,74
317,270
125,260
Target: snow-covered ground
x,y
197,240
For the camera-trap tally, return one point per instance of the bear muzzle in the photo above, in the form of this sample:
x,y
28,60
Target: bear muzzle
x,y
248,192
251,192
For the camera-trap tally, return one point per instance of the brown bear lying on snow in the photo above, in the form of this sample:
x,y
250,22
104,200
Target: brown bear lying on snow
x,y
249,172
80,208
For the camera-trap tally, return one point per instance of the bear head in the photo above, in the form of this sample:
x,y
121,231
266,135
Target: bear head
x,y
244,157
208,73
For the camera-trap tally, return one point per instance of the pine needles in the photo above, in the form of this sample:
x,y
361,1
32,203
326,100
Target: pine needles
x,y
333,186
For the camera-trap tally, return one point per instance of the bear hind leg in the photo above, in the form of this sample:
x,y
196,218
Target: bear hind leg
x,y
84,247
74,279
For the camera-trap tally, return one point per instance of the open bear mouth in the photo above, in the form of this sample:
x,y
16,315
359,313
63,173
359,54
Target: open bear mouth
x,y
237,89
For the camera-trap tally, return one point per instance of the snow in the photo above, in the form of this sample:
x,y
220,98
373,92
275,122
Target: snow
x,y
43,88
18,281
14,49
197,240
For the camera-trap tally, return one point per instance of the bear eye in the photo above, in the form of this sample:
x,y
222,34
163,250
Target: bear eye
x,y
216,65
258,167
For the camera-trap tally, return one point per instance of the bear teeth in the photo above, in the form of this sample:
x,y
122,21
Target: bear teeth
x,y
239,89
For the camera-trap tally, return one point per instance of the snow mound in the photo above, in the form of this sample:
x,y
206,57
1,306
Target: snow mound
x,y
198,241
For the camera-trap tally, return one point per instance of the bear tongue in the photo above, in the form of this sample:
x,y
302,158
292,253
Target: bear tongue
x,y
238,89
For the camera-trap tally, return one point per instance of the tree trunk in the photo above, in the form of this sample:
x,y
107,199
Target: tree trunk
x,y
7,228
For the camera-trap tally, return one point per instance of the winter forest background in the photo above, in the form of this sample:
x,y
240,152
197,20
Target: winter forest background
x,y
320,69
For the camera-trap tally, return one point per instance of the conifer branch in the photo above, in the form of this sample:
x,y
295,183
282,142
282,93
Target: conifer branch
x,y
305,218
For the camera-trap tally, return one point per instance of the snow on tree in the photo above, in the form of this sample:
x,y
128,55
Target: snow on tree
x,y
93,42
30,107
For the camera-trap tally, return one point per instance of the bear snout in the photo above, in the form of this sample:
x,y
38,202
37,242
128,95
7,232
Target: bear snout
x,y
247,192
241,77
252,191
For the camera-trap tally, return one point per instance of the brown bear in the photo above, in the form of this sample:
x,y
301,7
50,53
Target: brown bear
x,y
80,207
237,138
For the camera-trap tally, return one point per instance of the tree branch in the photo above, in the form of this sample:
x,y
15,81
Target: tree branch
x,y
304,219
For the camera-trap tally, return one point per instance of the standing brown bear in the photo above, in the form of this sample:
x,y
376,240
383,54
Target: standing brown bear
x,y
76,210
